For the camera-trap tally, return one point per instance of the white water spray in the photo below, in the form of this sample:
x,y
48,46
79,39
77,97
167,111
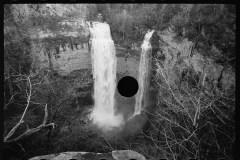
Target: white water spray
x,y
104,74
144,72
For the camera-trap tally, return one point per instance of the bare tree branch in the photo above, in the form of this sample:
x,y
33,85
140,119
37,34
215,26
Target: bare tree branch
x,y
29,131
28,94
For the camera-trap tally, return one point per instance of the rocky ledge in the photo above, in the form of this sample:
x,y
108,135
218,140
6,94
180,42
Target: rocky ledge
x,y
114,155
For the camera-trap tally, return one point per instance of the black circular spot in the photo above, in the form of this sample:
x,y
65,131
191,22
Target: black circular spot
x,y
127,86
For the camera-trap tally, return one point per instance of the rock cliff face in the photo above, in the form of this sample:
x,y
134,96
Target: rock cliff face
x,y
71,60
114,155
179,57
71,45
67,60
73,51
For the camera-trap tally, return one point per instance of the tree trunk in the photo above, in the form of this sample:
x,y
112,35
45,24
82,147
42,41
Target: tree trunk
x,y
49,59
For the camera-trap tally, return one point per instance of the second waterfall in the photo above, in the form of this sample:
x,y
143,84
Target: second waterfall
x,y
144,73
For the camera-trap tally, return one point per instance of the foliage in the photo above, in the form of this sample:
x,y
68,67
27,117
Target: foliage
x,y
25,98
191,122
17,44
209,26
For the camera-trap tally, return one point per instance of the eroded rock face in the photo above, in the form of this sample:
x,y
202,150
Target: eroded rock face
x,y
180,56
114,155
70,51
66,61
72,60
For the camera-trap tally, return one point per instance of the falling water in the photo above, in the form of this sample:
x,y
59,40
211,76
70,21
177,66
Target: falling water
x,y
143,72
104,73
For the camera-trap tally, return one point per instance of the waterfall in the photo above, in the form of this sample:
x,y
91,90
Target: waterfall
x,y
104,61
144,71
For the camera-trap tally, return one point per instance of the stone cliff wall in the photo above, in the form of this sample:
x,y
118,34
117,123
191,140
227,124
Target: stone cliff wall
x,y
177,57
65,61
74,55
70,60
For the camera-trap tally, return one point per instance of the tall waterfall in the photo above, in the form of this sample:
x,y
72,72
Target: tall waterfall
x,y
143,72
104,61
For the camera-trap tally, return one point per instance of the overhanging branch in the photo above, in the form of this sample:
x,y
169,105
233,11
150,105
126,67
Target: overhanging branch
x,y
28,131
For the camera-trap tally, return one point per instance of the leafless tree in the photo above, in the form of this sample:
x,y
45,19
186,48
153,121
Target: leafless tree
x,y
26,85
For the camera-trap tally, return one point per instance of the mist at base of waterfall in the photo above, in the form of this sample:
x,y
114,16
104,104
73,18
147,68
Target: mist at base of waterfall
x,y
125,107
105,120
